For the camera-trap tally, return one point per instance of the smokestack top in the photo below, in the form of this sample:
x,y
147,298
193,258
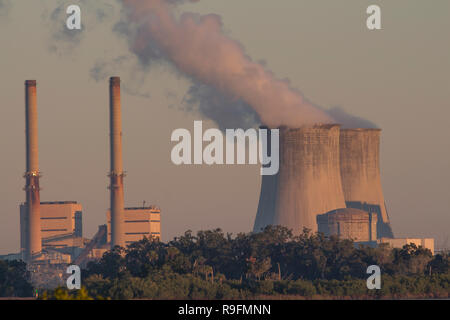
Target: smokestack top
x,y
30,83
114,81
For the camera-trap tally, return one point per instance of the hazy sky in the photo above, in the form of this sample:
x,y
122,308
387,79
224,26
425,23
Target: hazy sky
x,y
397,78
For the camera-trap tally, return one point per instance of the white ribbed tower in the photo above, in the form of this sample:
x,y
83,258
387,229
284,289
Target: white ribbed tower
x,y
360,173
308,182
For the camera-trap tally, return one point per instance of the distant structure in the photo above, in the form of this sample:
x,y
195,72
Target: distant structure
x,y
116,174
360,173
139,222
427,243
349,223
61,227
324,170
308,182
361,227
124,225
33,245
95,249
50,232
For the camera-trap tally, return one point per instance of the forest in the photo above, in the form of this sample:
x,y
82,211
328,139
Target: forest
x,y
273,264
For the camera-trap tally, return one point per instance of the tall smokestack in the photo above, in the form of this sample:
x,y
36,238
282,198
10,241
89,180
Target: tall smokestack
x,y
360,172
33,242
308,182
116,174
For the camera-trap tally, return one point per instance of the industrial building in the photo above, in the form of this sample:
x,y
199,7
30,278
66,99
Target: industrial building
x,y
52,232
360,173
349,223
308,182
61,226
427,243
361,227
138,222
329,181
324,170
124,225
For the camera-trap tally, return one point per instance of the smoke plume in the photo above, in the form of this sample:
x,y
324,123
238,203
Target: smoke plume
x,y
349,121
226,112
197,46
135,81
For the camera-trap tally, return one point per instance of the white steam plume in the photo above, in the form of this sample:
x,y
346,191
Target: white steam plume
x,y
196,46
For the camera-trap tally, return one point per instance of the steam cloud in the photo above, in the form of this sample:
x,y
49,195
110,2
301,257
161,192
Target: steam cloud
x,y
226,112
349,121
197,47
228,87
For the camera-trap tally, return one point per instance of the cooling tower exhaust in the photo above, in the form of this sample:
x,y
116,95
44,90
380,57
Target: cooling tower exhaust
x,y
360,173
33,244
116,174
308,182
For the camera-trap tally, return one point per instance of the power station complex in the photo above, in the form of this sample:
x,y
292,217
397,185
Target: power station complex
x,y
51,232
322,169
329,181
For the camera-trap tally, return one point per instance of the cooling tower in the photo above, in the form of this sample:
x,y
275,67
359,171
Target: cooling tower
x,y
33,244
308,182
360,173
116,174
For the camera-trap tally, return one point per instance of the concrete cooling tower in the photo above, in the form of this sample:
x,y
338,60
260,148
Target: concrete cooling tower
x,y
360,173
308,182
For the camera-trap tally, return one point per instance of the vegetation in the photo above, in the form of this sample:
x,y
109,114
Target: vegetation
x,y
14,279
270,264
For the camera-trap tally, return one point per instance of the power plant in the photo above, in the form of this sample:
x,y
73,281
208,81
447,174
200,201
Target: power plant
x,y
61,227
328,181
308,182
323,170
51,233
138,222
360,172
349,223
124,225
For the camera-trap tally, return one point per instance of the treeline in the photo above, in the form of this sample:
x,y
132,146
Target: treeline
x,y
273,263
169,285
14,279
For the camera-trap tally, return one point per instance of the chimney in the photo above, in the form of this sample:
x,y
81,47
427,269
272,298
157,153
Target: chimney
x,y
116,174
360,173
33,241
308,182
